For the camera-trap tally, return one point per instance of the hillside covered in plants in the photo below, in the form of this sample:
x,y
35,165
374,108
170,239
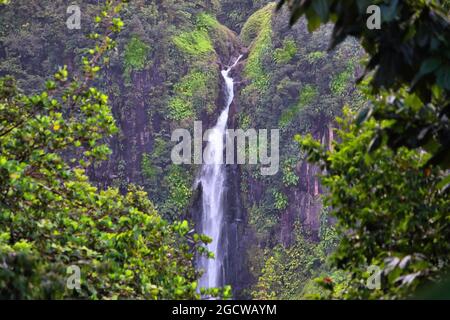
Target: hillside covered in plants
x,y
88,181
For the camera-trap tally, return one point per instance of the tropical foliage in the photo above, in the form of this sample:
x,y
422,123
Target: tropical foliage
x,y
387,178
54,221
419,32
391,212
86,178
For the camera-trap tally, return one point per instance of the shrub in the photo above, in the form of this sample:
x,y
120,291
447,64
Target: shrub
x,y
53,218
285,53
259,28
136,52
206,22
409,226
315,56
289,271
195,43
193,93
340,82
307,95
179,184
180,109
290,178
281,200
255,23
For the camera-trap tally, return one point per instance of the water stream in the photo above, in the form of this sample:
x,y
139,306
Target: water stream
x,y
212,179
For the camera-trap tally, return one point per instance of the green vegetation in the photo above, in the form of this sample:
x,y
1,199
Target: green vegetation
x,y
193,94
261,222
180,109
315,56
340,82
420,64
287,270
387,177
288,115
152,164
235,13
180,191
136,53
195,43
409,237
207,22
281,200
218,33
258,32
297,98
289,177
256,23
69,174
149,171
307,95
52,219
197,90
285,53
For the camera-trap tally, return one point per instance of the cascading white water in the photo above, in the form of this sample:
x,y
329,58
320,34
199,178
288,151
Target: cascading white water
x,y
212,179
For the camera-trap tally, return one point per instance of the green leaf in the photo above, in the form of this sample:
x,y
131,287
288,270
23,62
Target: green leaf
x,y
375,143
363,115
313,22
443,77
322,9
388,13
429,65
444,183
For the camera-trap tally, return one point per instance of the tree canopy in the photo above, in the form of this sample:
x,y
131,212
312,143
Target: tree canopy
x,y
411,51
386,175
52,219
390,212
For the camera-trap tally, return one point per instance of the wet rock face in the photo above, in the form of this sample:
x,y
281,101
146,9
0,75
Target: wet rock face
x,y
136,130
236,271
305,205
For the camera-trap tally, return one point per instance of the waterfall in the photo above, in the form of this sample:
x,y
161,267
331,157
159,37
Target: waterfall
x,y
212,179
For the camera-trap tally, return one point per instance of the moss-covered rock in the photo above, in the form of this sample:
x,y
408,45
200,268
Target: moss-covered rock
x,y
195,43
257,34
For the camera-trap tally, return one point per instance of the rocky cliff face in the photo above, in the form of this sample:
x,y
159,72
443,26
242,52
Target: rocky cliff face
x,y
305,205
290,82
